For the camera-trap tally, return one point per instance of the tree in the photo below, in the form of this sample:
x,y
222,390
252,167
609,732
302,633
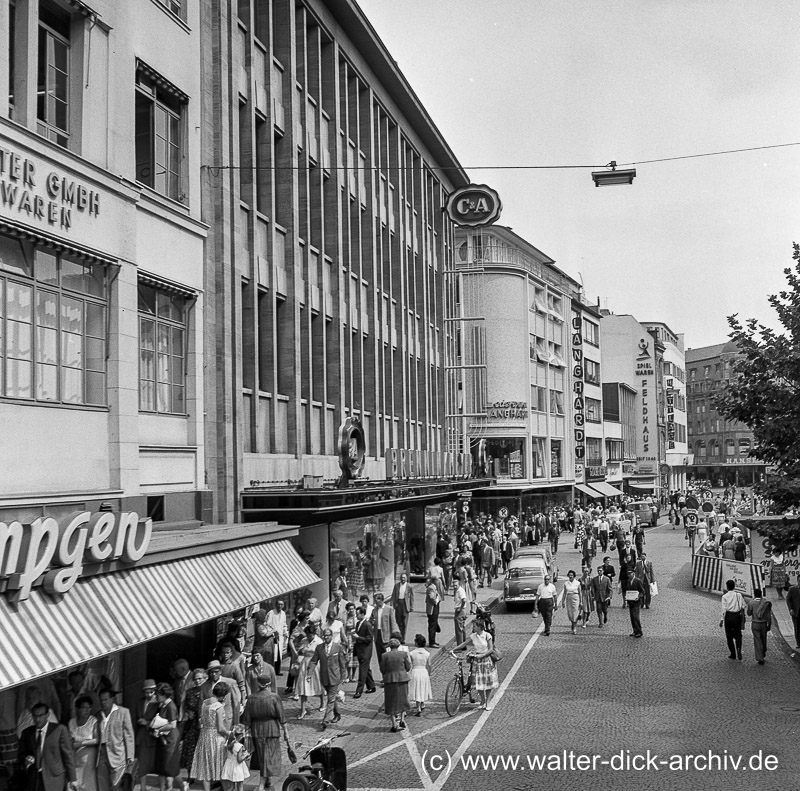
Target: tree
x,y
765,395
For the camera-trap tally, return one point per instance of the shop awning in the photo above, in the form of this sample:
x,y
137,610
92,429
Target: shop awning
x,y
645,487
114,611
606,489
587,490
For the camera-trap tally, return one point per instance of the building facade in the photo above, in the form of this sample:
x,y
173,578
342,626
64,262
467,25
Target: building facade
x,y
672,398
720,448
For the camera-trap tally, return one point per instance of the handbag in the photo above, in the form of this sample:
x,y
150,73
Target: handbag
x,y
496,656
654,589
631,595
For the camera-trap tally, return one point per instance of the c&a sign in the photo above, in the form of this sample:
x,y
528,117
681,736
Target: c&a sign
x,y
474,206
52,554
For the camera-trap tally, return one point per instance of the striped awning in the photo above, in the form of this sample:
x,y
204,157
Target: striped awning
x,y
110,612
712,573
588,491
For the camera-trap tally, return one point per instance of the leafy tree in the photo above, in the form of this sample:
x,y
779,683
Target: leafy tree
x,y
765,395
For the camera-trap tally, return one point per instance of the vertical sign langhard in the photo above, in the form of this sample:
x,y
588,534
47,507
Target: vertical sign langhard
x,y
577,389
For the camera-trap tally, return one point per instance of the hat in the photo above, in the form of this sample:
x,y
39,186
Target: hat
x,y
263,680
149,684
259,615
214,663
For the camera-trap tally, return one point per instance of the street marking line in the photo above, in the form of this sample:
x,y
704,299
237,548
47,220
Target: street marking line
x,y
411,736
416,760
496,698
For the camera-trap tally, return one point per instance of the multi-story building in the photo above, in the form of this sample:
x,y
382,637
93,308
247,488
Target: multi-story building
x,y
514,371
632,360
720,448
104,313
672,400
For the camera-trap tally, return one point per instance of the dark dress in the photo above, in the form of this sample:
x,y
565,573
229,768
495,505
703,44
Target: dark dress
x,y
263,714
168,757
145,745
191,728
395,667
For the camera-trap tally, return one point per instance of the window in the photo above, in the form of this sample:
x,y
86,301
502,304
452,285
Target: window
x,y
593,413
730,447
692,374
744,446
594,452
158,134
539,304
53,74
556,463
591,332
12,23
555,356
539,457
556,402
714,446
162,350
538,350
700,448
538,399
175,6
52,326
591,371
554,305
706,371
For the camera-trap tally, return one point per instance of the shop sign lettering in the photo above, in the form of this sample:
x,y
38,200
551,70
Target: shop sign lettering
x,y
509,410
474,206
577,388
412,464
52,554
49,198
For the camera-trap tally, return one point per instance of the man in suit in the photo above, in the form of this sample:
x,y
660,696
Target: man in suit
x,y
601,592
116,749
506,552
363,650
402,604
332,660
383,624
233,701
643,572
48,757
793,603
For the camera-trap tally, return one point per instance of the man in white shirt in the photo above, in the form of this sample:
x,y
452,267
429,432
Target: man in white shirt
x,y
116,748
276,620
460,609
546,603
733,609
335,626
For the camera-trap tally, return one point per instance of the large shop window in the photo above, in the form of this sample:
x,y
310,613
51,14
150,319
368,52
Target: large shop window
x,y
53,331
556,458
538,445
162,350
506,457
53,75
372,553
159,145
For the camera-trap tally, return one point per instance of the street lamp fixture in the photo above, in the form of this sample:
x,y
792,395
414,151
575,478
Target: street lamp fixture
x,y
606,178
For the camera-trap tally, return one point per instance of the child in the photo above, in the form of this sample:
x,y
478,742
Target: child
x,y
235,770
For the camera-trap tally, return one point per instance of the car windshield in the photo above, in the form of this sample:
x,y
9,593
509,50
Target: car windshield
x,y
525,571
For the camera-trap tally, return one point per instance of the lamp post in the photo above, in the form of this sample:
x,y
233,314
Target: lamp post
x,y
607,178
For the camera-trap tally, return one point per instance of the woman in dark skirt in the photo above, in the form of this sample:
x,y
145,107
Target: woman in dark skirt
x,y
190,716
395,667
168,757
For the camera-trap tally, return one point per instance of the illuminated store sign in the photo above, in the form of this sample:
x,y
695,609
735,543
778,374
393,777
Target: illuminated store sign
x,y
510,410
402,463
578,403
58,551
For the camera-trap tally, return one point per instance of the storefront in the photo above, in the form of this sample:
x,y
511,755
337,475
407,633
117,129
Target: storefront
x,y
104,594
501,502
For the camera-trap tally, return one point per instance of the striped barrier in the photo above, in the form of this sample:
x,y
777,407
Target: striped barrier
x,y
712,573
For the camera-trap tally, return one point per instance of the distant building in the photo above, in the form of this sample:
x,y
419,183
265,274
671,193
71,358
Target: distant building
x,y
720,447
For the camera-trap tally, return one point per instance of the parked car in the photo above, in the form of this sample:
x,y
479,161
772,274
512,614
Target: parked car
x,y
646,513
540,551
525,574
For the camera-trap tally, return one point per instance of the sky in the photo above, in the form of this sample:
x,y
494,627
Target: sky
x,y
584,82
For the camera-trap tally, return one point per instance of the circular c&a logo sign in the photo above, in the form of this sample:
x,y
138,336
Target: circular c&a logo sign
x,y
474,205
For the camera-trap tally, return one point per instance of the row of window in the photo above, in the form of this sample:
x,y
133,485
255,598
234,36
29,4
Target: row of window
x,y
54,332
714,448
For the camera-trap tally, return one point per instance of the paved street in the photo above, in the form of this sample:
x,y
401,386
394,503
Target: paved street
x,y
674,692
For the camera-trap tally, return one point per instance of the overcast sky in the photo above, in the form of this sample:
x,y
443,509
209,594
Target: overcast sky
x,y
579,82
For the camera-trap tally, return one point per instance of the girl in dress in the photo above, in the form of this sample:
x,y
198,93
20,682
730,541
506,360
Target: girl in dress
x,y
209,755
483,668
235,769
305,686
419,687
571,599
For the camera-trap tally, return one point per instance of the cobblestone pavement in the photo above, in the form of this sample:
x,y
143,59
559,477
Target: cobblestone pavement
x,y
674,692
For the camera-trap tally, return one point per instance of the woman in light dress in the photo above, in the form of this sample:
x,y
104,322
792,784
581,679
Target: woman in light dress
x,y
83,729
309,686
571,599
350,624
419,686
587,600
209,755
483,668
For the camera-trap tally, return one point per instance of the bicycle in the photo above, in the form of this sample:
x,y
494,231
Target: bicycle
x,y
327,770
457,688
